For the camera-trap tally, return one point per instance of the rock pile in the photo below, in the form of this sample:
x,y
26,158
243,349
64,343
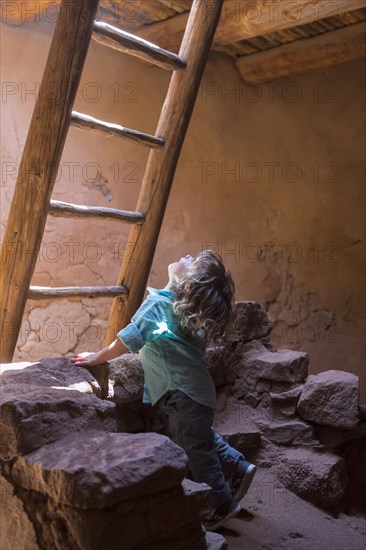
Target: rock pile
x,y
86,465
71,479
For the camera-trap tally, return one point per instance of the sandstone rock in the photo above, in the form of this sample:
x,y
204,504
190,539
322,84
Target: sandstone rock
x,y
287,397
331,398
258,363
251,323
94,469
59,373
215,363
284,404
295,432
318,477
126,378
197,495
16,531
280,366
159,521
33,416
256,371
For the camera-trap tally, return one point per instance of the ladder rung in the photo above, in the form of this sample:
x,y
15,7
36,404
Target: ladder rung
x,y
66,210
46,292
87,122
134,45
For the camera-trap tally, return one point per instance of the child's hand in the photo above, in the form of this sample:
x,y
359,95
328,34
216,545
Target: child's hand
x,y
86,359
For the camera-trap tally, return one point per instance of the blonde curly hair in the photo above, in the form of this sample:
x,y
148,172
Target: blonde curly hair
x,y
205,295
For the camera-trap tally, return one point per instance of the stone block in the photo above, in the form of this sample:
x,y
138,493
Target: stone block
x,y
331,398
318,477
33,416
95,469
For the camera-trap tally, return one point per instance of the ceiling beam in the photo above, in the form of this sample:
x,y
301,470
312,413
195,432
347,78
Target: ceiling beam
x,y
242,19
179,5
324,50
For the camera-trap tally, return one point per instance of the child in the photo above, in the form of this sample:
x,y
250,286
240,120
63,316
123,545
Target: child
x,y
170,330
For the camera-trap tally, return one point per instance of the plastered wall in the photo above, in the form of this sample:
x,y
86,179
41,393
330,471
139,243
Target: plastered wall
x,y
271,176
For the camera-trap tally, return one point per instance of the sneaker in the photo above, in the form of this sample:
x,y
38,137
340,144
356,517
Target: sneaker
x,y
242,479
221,515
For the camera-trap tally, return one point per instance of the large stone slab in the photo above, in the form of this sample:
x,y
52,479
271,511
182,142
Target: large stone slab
x,y
94,469
32,416
318,477
58,373
161,521
331,398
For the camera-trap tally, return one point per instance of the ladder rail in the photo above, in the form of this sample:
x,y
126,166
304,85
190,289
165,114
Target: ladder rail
x,y
173,123
39,163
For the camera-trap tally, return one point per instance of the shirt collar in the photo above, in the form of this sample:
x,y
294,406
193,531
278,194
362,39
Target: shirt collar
x,y
163,292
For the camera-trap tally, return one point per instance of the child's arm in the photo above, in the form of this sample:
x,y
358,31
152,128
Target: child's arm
x,y
89,359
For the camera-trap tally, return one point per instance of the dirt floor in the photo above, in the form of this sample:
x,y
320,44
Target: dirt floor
x,y
273,518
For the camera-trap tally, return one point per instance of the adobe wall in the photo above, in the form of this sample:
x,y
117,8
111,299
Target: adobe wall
x,y
270,176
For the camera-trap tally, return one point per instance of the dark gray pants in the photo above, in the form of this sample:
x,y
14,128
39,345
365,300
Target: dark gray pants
x,y
210,458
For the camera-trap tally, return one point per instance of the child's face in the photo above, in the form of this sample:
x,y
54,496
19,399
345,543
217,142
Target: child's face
x,y
182,265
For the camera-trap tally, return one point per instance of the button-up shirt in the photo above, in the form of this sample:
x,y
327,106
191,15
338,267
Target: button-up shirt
x,y
171,359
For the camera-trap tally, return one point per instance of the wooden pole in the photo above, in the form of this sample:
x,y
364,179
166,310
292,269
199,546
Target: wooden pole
x,y
39,164
161,165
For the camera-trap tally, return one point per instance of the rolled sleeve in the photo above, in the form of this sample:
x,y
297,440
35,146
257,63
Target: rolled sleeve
x,y
147,324
131,337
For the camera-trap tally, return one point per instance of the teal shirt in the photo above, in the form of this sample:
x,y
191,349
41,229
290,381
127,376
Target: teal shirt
x,y
171,359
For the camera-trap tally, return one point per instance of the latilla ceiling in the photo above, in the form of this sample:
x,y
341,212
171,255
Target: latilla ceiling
x,y
268,39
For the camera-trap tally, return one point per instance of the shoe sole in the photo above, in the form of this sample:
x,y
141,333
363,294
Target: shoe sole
x,y
220,522
245,484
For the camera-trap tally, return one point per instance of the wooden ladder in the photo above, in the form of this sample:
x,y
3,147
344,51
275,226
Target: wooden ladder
x,y
51,119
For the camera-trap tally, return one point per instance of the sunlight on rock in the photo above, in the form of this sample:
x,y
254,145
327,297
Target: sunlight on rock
x,y
83,387
4,367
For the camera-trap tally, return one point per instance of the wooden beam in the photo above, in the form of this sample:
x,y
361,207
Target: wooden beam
x,y
178,5
39,164
330,48
243,19
161,165
124,42
49,293
66,210
108,129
